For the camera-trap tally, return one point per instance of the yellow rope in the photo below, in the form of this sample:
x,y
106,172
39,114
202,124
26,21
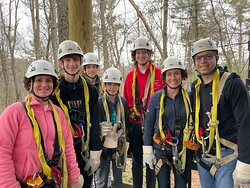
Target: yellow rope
x,y
187,129
213,122
37,134
152,80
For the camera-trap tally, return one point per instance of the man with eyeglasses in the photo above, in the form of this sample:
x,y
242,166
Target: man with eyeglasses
x,y
222,116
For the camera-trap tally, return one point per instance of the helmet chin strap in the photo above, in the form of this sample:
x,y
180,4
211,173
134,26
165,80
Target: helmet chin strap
x,y
91,77
111,94
174,87
44,99
144,64
69,73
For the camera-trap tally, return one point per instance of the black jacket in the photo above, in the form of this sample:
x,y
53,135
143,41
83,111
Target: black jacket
x,y
233,113
72,95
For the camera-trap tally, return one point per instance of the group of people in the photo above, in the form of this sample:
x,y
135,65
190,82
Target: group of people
x,y
72,128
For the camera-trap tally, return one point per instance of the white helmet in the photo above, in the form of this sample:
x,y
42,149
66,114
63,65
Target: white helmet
x,y
142,43
90,59
40,67
203,45
112,75
68,47
172,63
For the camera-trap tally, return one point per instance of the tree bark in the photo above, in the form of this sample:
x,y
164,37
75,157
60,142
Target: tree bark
x,y
11,32
103,6
34,10
80,23
165,28
63,21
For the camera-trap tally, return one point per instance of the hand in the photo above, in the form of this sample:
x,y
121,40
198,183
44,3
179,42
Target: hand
x,y
111,140
77,184
94,162
149,157
241,175
106,128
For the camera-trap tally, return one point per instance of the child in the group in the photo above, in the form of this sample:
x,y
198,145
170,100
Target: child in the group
x,y
113,109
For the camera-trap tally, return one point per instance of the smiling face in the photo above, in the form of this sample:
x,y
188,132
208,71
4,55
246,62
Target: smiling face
x,y
71,63
42,85
112,88
205,62
91,70
142,56
173,78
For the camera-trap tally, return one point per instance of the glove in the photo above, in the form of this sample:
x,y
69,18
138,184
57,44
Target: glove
x,y
149,157
241,175
111,140
93,163
77,184
106,128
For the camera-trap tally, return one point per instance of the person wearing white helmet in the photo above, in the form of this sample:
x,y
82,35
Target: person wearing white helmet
x,y
79,101
222,115
168,126
139,85
36,146
113,109
90,66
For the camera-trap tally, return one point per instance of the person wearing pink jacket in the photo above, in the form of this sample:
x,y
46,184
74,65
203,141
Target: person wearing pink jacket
x,y
36,146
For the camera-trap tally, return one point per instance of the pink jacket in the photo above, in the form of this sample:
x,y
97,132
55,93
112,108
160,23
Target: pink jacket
x,y
18,151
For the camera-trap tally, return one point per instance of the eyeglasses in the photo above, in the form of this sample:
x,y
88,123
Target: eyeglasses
x,y
205,57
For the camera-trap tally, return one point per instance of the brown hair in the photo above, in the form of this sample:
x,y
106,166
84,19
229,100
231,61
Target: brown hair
x,y
27,81
184,75
133,56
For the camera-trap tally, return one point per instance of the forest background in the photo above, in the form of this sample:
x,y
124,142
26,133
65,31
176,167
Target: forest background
x,y
32,29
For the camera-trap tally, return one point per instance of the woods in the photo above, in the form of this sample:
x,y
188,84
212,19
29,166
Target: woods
x,y
32,29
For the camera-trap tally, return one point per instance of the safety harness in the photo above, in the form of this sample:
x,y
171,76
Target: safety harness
x,y
54,172
213,130
121,155
85,144
167,141
137,114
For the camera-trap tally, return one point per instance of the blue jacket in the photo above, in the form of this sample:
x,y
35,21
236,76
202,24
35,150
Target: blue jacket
x,y
169,118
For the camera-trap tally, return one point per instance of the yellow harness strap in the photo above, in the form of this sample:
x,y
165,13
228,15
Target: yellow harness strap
x,y
152,80
37,134
120,115
213,123
106,109
66,113
187,130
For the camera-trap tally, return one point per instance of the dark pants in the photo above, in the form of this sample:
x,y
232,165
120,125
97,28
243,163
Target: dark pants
x,y
81,164
135,150
180,180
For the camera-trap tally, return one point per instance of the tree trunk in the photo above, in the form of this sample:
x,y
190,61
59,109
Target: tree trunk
x,y
10,32
165,28
34,10
63,21
80,23
104,34
53,30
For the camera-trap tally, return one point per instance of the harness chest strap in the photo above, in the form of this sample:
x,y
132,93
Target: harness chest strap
x,y
120,117
223,141
188,126
37,134
85,145
150,81
213,123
